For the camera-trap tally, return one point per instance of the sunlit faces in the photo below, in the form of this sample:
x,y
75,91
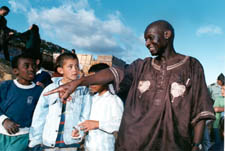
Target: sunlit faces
x,y
69,70
25,71
155,40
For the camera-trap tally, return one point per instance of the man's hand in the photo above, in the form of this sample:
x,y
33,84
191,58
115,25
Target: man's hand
x,y
10,126
89,125
65,90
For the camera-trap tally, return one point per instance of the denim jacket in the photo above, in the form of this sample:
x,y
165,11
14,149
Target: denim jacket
x,y
47,115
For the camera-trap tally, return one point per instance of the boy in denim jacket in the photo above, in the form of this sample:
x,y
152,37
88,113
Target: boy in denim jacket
x,y
53,119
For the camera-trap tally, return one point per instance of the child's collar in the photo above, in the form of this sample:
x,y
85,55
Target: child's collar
x,y
32,85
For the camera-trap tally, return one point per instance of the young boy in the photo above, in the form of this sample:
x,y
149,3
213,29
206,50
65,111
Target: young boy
x,y
42,78
105,117
18,99
53,120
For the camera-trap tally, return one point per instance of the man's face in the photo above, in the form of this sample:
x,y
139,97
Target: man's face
x,y
26,69
155,41
69,70
3,12
223,90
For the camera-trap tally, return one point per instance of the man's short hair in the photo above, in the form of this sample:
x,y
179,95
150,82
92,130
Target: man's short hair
x,y
15,60
221,78
60,59
5,8
98,67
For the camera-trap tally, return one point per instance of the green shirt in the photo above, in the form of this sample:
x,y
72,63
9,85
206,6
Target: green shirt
x,y
214,90
219,102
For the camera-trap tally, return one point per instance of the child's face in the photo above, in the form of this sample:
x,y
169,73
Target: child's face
x,y
223,90
95,88
69,70
25,70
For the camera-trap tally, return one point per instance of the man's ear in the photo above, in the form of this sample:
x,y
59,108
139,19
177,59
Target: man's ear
x,y
60,70
167,34
15,71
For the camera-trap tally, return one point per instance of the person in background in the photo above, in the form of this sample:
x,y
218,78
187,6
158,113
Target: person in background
x,y
42,78
33,41
105,117
53,120
219,109
4,31
215,88
220,146
18,99
73,51
215,93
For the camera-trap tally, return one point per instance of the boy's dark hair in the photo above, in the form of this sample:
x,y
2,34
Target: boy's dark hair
x,y
5,8
15,60
98,67
60,59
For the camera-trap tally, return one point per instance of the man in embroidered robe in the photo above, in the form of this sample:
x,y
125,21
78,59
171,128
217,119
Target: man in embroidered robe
x,y
168,100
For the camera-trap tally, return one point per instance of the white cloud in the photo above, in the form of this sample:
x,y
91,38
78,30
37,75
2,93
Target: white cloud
x,y
76,23
19,7
210,29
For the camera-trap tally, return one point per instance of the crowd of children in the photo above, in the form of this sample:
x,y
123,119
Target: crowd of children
x,y
32,121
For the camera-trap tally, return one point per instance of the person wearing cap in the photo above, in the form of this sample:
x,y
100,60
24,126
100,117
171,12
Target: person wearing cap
x,y
215,88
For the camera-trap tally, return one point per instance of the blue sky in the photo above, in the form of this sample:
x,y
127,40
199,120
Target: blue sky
x,y
116,27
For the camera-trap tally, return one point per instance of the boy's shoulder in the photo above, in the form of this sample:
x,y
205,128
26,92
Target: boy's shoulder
x,y
111,97
5,84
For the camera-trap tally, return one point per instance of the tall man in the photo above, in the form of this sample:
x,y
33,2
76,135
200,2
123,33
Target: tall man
x,y
4,31
168,100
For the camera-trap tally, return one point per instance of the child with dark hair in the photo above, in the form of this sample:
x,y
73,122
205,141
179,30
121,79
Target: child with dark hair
x,y
18,99
105,117
53,119
42,77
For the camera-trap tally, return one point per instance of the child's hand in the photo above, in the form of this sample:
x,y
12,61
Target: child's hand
x,y
10,126
75,133
89,125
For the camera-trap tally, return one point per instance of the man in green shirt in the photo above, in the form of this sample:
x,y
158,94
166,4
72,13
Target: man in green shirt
x,y
215,88
219,109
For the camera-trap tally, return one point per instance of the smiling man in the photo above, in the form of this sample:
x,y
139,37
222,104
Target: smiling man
x,y
168,100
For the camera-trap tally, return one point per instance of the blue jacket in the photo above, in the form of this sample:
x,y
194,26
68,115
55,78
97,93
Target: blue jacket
x,y
47,115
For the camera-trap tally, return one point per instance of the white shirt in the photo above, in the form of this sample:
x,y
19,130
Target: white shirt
x,y
108,110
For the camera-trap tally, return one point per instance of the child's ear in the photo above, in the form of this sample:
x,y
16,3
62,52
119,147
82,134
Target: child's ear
x,y
15,71
60,70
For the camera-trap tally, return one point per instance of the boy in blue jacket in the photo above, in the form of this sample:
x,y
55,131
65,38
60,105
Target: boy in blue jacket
x,y
18,99
53,120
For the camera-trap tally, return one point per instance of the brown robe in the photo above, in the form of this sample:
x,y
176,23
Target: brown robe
x,y
163,105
